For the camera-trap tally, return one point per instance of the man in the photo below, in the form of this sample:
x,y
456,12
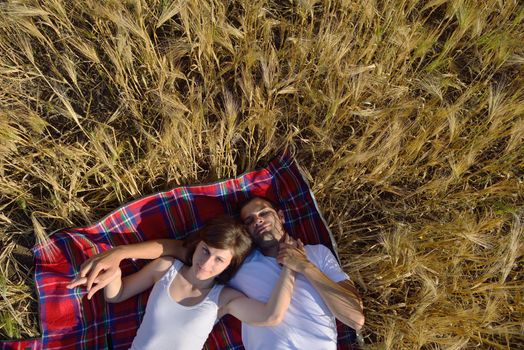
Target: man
x,y
322,290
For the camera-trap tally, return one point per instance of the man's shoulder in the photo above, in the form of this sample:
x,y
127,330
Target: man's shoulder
x,y
253,257
248,269
315,247
317,251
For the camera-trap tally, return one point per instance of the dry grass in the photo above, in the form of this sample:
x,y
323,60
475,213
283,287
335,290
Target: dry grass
x,y
409,116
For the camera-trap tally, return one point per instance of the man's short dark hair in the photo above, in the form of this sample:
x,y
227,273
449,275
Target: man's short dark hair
x,y
273,204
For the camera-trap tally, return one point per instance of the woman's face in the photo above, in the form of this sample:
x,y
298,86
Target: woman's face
x,y
209,262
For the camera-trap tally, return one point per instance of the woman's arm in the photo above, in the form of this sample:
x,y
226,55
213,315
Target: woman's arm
x,y
102,268
120,289
113,290
255,312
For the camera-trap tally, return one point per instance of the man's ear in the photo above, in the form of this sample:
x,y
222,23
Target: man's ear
x,y
281,216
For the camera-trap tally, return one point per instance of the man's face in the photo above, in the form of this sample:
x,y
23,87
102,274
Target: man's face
x,y
263,223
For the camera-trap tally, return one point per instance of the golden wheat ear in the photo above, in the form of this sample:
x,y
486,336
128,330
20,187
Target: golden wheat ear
x,y
406,116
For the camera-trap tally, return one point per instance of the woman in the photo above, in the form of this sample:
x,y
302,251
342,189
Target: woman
x,y
186,300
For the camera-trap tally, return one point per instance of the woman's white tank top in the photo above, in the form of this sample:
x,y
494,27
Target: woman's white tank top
x,y
169,325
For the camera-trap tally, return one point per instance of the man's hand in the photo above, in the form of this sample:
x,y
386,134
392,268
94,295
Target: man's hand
x,y
292,254
100,269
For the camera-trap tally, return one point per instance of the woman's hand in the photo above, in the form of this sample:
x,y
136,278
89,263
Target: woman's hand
x,y
101,267
100,270
111,286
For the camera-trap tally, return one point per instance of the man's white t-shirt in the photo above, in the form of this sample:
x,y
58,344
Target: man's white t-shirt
x,y
308,323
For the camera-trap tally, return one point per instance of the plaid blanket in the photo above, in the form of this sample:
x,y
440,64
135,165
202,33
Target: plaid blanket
x,y
70,321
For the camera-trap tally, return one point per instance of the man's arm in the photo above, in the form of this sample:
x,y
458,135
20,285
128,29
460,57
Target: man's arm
x,y
101,268
341,298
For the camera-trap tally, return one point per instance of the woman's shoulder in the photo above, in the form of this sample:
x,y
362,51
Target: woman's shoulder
x,y
228,294
162,265
165,261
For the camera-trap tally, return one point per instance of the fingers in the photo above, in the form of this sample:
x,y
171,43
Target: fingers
x,y
93,290
285,252
284,238
105,278
100,282
79,281
285,247
288,239
86,266
282,258
291,252
93,275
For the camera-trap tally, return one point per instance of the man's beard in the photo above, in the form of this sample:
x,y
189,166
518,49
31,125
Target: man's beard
x,y
266,240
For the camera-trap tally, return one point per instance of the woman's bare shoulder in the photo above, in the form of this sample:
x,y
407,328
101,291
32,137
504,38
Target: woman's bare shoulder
x,y
161,265
227,294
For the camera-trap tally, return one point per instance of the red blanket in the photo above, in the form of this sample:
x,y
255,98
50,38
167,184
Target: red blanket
x,y
70,321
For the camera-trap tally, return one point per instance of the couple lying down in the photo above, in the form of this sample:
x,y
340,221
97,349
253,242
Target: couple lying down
x,y
287,295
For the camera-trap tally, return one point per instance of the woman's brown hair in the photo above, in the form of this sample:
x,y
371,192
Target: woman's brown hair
x,y
224,232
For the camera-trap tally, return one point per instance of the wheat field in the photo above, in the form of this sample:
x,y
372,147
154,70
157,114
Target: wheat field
x,y
408,116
